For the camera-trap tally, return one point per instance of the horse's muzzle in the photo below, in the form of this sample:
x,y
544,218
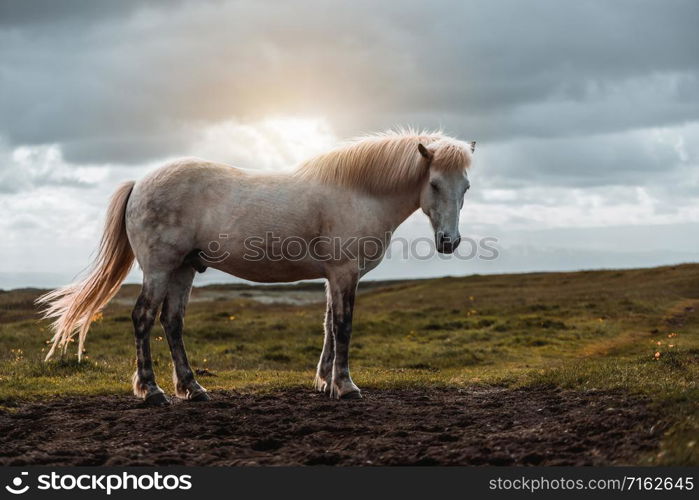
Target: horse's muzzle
x,y
446,243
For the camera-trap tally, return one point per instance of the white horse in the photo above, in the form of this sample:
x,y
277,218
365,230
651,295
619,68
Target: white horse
x,y
176,217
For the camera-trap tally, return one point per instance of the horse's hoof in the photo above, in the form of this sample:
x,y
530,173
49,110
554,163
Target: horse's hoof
x,y
352,395
321,385
156,399
200,396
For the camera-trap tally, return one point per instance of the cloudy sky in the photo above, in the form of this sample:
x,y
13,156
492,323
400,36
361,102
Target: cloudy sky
x,y
586,115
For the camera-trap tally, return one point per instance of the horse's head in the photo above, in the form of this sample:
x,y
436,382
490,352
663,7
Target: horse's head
x,y
442,195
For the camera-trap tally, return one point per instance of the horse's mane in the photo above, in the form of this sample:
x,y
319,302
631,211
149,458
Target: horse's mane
x,y
385,162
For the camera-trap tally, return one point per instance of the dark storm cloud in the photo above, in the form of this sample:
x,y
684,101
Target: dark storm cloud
x,y
19,13
600,160
127,82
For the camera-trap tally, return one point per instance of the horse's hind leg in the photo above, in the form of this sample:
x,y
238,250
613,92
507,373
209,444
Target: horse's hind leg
x,y
143,316
172,319
325,364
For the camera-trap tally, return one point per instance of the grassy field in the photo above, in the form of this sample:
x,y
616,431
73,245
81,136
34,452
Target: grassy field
x,y
636,330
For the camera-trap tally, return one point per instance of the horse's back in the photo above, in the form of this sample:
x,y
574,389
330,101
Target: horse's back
x,y
190,203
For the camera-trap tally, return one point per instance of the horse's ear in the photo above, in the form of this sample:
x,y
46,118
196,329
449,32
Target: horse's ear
x,y
426,154
473,146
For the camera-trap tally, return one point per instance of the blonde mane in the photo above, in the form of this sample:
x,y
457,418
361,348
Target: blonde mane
x,y
385,162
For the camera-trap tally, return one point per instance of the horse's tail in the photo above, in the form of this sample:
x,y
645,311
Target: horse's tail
x,y
74,306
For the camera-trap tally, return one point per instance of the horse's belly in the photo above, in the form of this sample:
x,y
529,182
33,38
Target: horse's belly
x,y
269,271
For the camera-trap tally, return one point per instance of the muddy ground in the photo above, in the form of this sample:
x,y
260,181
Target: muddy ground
x,y
473,426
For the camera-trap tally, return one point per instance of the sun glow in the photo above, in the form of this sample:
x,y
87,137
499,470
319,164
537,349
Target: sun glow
x,y
274,143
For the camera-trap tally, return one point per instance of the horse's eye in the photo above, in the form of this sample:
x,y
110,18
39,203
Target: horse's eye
x,y
434,186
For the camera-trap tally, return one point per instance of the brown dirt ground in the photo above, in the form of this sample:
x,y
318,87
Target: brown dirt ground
x,y
472,426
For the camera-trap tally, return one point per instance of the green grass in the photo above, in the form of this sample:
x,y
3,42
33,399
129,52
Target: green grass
x,y
572,330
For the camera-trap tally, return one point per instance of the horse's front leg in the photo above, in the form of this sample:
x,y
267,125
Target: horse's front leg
x,y
342,291
325,364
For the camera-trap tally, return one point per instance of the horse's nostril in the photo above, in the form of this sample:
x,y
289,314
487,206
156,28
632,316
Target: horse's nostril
x,y
446,243
450,240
